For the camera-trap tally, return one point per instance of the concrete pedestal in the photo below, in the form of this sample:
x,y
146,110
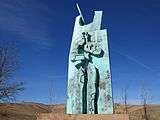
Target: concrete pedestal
x,y
53,116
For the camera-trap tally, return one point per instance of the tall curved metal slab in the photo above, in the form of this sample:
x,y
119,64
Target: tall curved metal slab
x,y
89,75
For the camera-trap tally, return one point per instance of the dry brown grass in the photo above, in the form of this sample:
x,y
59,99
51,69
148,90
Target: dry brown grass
x,y
136,112
29,111
23,111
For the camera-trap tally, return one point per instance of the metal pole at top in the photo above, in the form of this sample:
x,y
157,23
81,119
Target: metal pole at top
x,y
79,10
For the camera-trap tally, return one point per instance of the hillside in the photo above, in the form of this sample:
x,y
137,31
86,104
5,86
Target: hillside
x,y
136,112
22,111
28,111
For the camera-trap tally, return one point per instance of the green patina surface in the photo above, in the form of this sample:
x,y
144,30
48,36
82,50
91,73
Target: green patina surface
x,y
89,76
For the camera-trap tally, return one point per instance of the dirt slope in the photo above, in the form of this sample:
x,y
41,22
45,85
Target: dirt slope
x,y
22,111
28,111
136,112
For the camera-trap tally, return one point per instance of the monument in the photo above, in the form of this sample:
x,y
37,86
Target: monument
x,y
89,74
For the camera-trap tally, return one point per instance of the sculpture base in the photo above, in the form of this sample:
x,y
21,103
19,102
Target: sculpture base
x,y
57,116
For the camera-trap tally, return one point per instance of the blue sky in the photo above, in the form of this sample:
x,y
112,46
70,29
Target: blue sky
x,y
43,32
